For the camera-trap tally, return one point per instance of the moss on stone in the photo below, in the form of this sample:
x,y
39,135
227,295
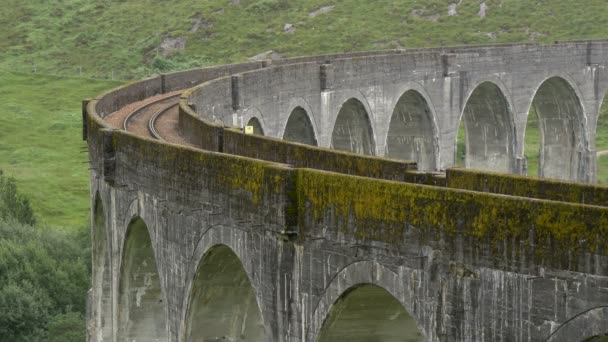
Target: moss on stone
x,y
380,210
299,155
255,177
515,185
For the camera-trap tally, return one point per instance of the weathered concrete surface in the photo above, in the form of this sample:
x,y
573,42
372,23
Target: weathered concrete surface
x,y
207,246
101,282
296,284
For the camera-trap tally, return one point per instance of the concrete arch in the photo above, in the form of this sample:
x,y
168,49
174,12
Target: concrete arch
x,y
352,129
368,312
223,304
299,128
235,241
257,126
489,127
585,326
253,117
562,120
142,313
357,274
101,273
302,104
413,132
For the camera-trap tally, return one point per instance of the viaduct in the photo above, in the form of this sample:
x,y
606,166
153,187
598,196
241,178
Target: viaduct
x,y
341,218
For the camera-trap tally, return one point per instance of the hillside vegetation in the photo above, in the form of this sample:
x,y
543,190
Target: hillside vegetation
x,y
44,274
41,142
130,38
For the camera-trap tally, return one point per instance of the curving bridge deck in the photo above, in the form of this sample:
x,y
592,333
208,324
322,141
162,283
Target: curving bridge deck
x,y
203,233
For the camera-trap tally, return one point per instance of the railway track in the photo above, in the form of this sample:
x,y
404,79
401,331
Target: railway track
x,y
143,120
155,117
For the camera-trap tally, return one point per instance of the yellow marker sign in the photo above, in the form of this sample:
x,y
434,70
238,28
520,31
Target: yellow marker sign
x,y
248,129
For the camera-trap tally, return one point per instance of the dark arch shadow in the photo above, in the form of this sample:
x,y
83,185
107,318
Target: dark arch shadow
x,y
257,126
299,128
489,130
411,133
142,314
589,326
365,313
561,122
101,274
223,304
353,131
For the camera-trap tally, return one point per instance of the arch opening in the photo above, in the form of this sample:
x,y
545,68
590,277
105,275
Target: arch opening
x,y
585,326
299,128
411,134
223,304
532,143
561,133
102,279
460,145
142,313
601,143
257,126
352,130
368,313
488,130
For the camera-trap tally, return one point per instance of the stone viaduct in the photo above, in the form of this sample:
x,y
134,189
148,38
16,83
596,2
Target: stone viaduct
x,y
341,219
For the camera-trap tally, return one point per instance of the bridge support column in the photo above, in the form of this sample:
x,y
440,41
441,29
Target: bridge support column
x,y
326,76
236,92
591,166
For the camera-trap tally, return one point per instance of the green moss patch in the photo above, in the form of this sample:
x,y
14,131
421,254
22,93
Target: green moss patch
x,y
515,185
382,210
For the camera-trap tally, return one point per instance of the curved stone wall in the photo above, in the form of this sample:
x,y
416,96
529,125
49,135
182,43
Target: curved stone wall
x,y
490,88
304,225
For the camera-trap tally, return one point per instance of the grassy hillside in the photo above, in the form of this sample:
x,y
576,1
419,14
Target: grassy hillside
x,y
130,38
124,39
41,142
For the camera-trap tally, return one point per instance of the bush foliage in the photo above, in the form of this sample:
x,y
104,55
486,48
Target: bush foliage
x,y
44,275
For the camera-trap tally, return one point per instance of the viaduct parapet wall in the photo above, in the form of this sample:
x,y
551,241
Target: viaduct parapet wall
x,y
412,103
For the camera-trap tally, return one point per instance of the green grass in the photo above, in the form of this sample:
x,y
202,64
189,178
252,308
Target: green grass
x,y
601,139
532,143
602,168
41,142
460,144
122,37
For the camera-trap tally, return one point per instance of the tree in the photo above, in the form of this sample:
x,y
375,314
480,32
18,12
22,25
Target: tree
x,y
44,274
68,327
12,204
